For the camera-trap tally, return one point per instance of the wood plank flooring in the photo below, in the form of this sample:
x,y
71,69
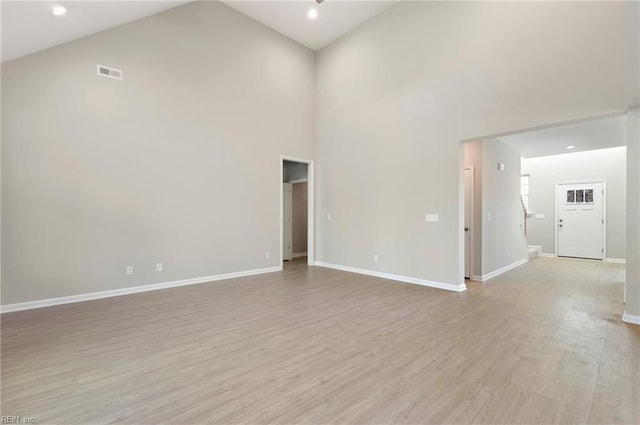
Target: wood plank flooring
x,y
543,343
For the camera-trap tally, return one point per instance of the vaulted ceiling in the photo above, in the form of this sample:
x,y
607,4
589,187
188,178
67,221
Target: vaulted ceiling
x,y
30,26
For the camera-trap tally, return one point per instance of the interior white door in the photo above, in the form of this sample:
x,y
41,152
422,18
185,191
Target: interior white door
x,y
580,220
287,221
468,217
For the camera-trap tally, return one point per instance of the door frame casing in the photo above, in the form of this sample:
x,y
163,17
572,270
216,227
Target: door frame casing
x,y
604,212
472,220
287,228
310,207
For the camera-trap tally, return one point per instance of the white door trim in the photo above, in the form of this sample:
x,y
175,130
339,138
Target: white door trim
x,y
287,229
310,206
604,212
472,220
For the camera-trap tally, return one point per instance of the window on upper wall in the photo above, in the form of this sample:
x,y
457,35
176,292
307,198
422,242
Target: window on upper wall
x,y
524,191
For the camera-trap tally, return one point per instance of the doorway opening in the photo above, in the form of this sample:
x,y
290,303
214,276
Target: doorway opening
x,y
557,191
296,212
469,225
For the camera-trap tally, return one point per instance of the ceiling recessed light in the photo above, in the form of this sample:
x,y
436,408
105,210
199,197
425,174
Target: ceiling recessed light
x,y
313,14
570,147
59,10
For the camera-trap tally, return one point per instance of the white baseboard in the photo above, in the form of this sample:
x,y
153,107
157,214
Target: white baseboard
x,y
504,269
538,247
616,260
447,286
629,318
476,278
546,255
300,254
7,308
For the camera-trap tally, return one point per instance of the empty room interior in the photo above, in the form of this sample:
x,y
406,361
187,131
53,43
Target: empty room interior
x,y
314,212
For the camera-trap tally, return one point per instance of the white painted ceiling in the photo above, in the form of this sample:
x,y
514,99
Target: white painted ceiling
x,y
28,26
585,136
335,17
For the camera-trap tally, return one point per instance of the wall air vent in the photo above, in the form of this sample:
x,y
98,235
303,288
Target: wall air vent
x,y
105,71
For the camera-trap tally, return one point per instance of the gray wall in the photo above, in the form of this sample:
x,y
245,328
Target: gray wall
x,y
503,240
545,172
633,213
633,160
397,95
178,163
499,241
300,217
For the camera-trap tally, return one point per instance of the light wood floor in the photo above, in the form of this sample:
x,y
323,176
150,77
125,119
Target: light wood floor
x,y
541,344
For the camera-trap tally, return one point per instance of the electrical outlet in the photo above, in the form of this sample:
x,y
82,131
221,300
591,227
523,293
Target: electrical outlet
x,y
489,216
267,255
129,270
328,216
159,267
375,258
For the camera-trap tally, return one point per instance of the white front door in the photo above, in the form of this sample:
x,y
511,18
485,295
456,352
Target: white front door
x,y
580,220
287,224
468,219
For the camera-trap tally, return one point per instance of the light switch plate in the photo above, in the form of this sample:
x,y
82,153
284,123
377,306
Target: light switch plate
x,y
539,216
431,218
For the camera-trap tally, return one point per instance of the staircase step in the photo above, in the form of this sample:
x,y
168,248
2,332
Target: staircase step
x,y
534,251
